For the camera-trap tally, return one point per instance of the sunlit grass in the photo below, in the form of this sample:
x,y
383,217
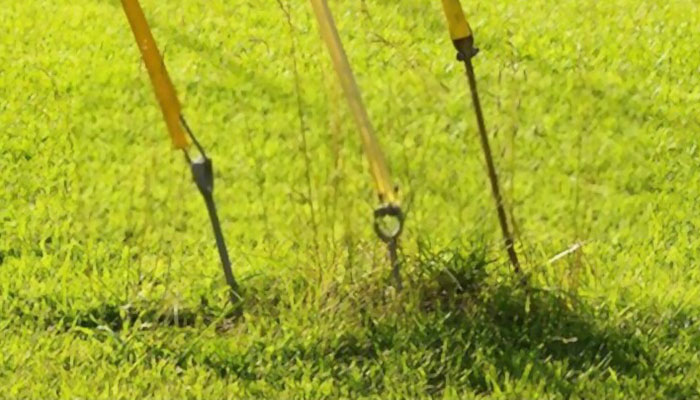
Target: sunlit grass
x,y
110,285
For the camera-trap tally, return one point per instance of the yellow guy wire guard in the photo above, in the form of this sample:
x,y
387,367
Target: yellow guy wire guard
x,y
162,85
458,25
377,163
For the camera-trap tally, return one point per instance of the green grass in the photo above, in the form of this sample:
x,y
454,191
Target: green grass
x,y
110,285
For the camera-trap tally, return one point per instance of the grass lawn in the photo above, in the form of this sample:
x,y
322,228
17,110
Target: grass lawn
x,y
110,284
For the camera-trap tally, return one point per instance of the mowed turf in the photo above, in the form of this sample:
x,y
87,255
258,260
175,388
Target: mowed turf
x,y
110,285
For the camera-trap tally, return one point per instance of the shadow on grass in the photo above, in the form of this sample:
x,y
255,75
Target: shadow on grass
x,y
458,326
475,331
462,327
456,323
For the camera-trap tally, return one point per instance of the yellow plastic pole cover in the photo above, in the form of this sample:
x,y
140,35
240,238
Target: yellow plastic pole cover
x,y
163,87
459,27
378,166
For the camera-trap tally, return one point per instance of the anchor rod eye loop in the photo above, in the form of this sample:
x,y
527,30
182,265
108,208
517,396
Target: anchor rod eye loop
x,y
388,222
